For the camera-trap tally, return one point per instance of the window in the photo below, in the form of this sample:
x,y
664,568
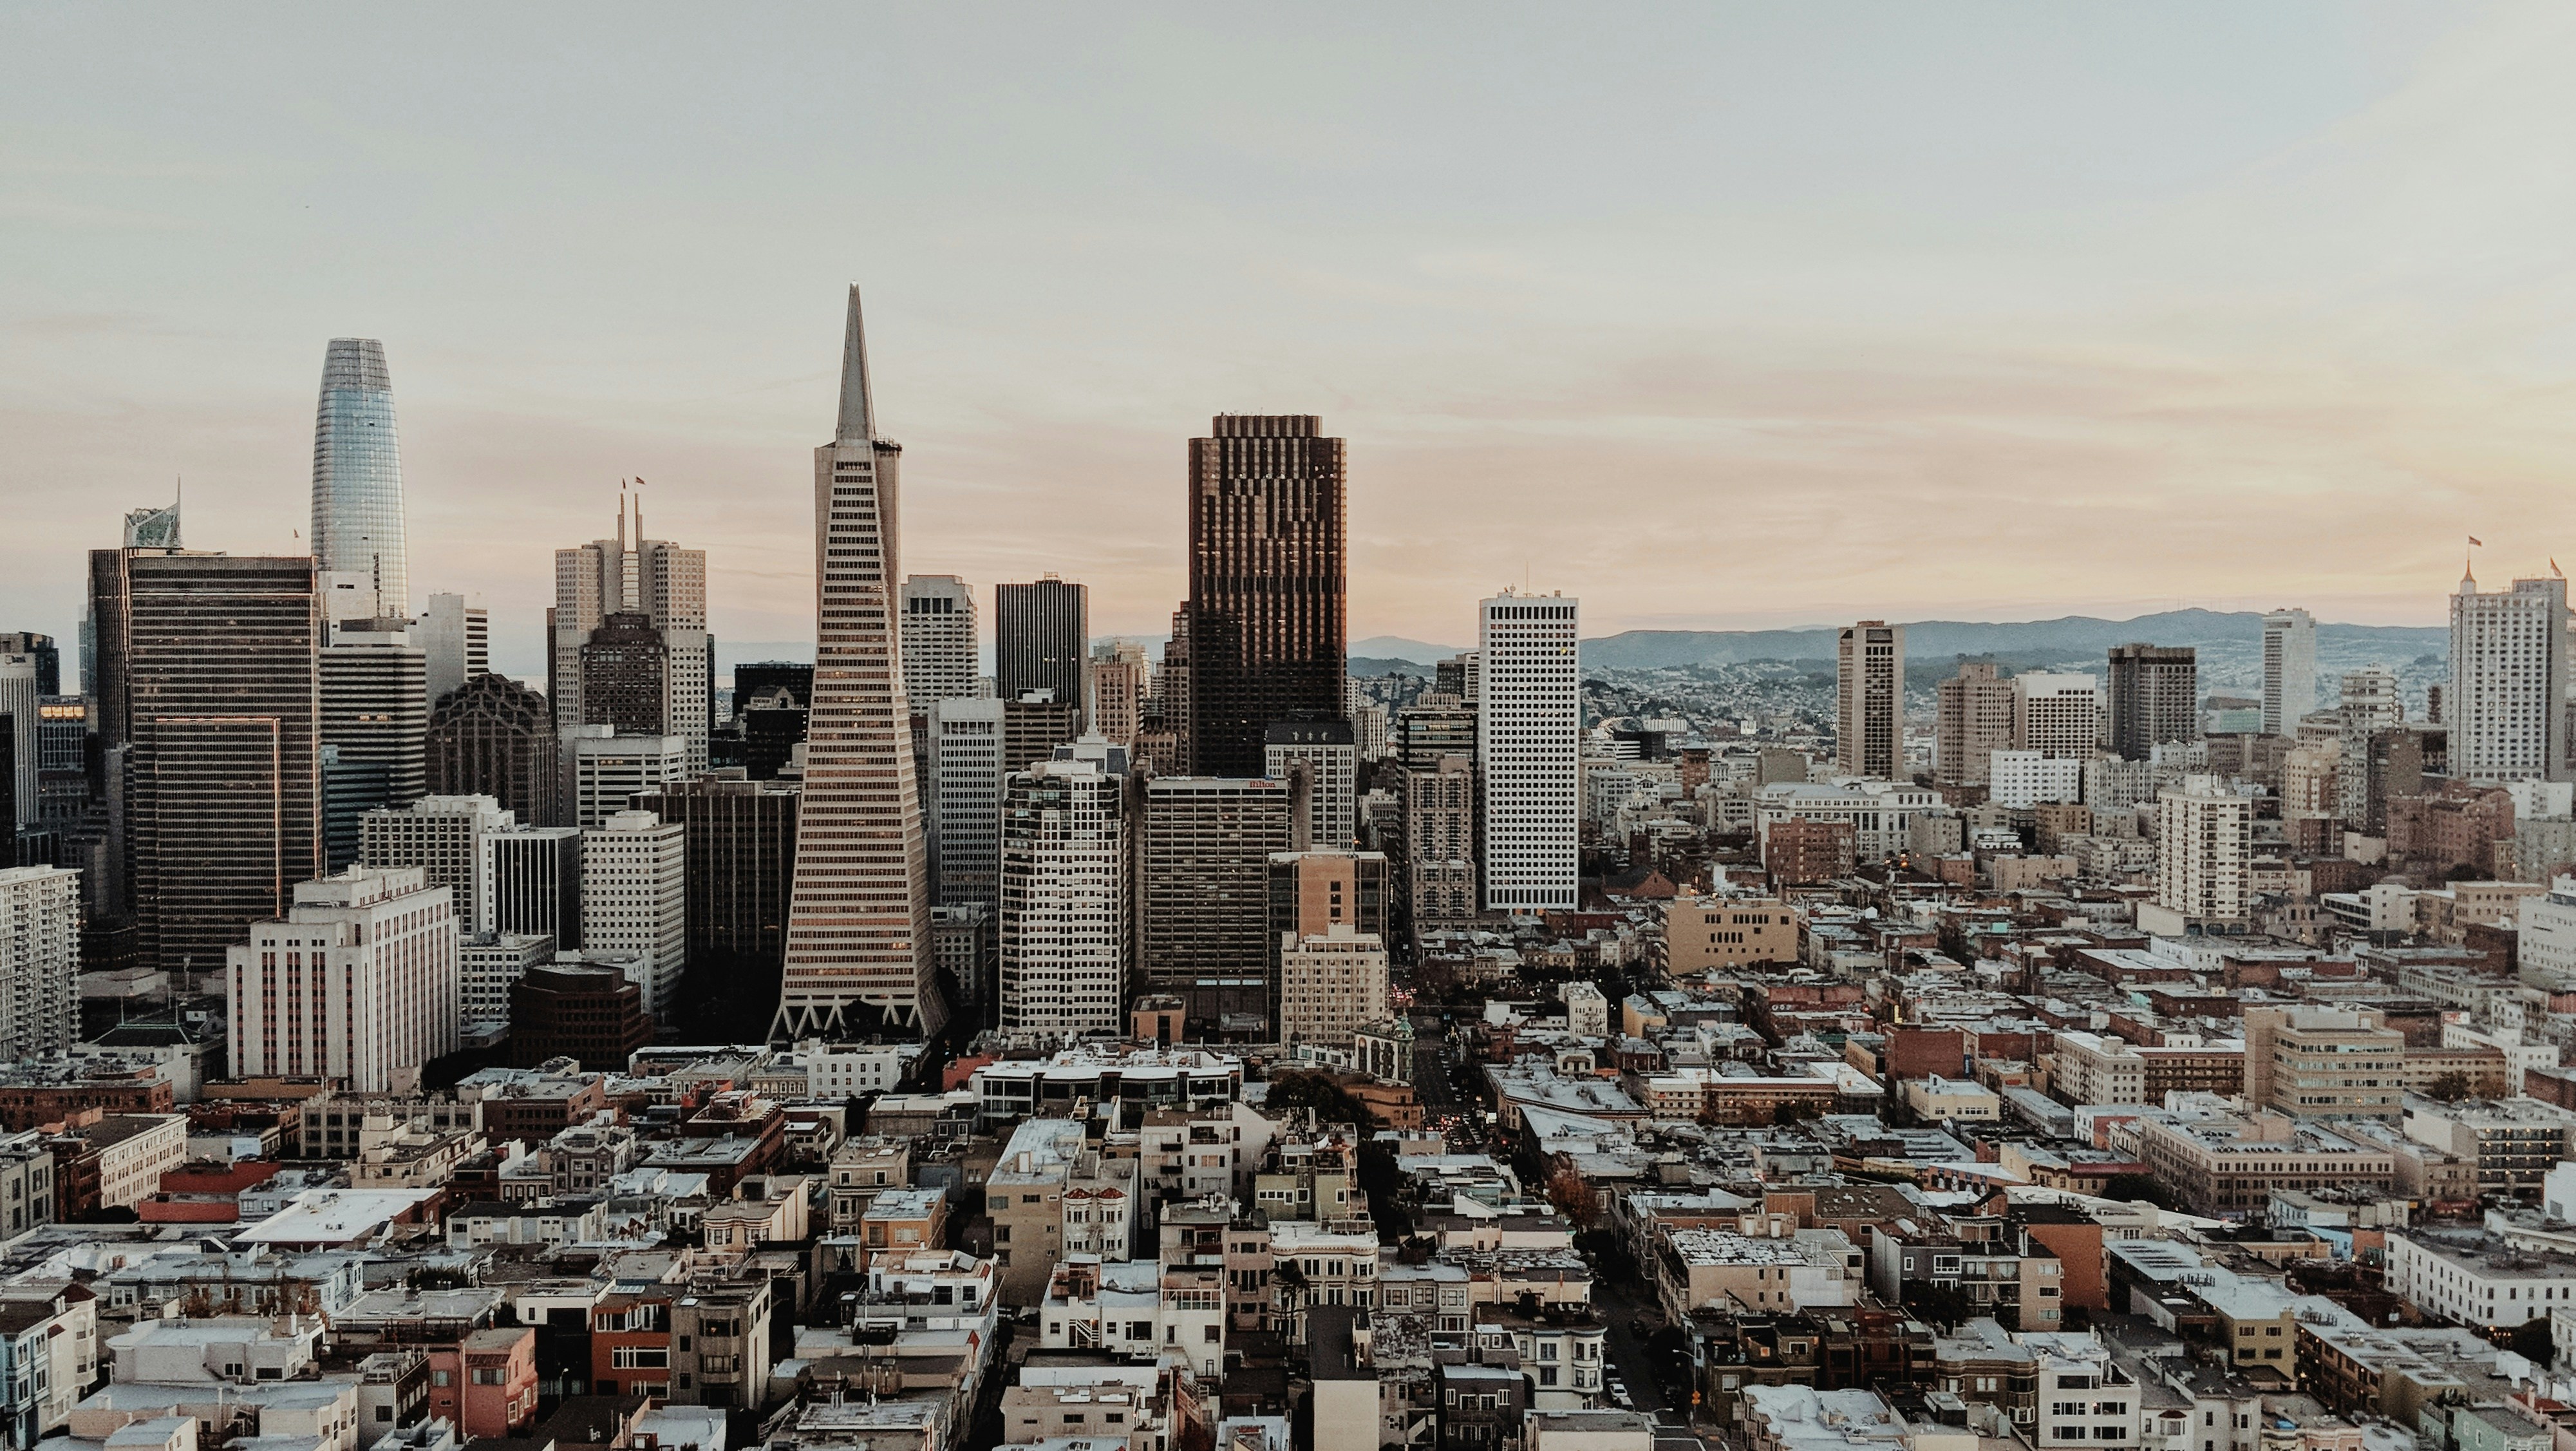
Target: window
x,y
488,1375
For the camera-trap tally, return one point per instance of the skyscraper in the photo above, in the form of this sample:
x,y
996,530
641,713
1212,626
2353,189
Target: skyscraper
x,y
608,769
494,737
2057,713
1869,719
665,585
209,710
965,806
455,635
358,981
634,901
358,524
1064,864
1268,626
741,855
2155,697
1041,636
40,955
21,699
942,657
1528,724
858,927
1974,720
2507,703
2289,670
1202,896
375,712
443,836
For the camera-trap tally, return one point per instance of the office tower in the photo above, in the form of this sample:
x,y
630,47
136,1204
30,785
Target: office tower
x,y
658,580
65,785
965,806
741,847
1974,719
357,982
634,901
2057,714
2289,670
1331,985
573,1008
858,934
455,635
1033,725
357,478
1114,693
2204,839
1268,625
20,701
2507,702
1325,751
488,965
770,704
42,649
2155,698
494,737
40,960
209,709
1434,727
1869,717
961,940
375,713
1063,880
609,769
530,883
350,789
942,653
1528,722
1172,693
1041,636
1439,856
626,676
1202,897
1459,675
2368,701
443,836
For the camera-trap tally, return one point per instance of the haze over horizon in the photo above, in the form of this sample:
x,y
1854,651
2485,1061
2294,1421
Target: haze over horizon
x,y
1718,319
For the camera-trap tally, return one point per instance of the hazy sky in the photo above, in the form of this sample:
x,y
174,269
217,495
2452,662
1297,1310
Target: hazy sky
x,y
1716,316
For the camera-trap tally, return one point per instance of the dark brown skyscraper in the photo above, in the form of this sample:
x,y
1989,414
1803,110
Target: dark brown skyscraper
x,y
494,737
1267,621
209,708
2155,697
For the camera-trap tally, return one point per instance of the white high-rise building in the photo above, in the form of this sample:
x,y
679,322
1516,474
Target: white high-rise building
x,y
858,915
2370,700
455,633
634,901
1869,719
2289,670
942,653
966,800
1063,930
1324,749
608,769
23,705
489,964
443,836
2507,705
359,983
650,577
2057,714
2204,841
1529,725
40,958
2022,779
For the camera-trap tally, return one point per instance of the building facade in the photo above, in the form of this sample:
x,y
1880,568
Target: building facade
x,y
1329,756
1041,637
1202,919
942,651
965,801
1267,617
357,983
2155,697
40,958
494,737
634,901
2506,706
2289,670
1869,694
358,519
1973,720
1528,721
1063,924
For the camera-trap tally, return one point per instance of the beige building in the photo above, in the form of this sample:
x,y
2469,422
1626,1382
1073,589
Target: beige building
x,y
2089,1068
1331,984
134,1150
2318,1062
1713,934
2228,1167
2308,776
2203,845
1974,720
1051,1193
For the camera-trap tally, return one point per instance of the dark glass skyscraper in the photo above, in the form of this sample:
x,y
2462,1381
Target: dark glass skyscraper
x,y
357,476
1041,635
1268,623
2155,697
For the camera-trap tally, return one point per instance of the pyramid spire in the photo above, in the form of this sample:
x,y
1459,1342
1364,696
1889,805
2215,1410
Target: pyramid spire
x,y
858,411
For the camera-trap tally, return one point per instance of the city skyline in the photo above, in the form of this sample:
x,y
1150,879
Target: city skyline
x,y
1817,392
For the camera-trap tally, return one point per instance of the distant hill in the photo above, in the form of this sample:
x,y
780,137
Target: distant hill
x,y
1396,647
1366,665
2073,637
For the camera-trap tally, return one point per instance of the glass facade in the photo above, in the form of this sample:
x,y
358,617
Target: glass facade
x,y
357,475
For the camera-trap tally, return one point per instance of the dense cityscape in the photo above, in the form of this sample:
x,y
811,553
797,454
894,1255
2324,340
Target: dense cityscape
x,y
1943,1037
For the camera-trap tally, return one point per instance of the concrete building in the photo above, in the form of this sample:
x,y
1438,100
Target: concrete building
x,y
443,836
1529,718
634,901
1974,720
2289,670
358,983
2506,705
494,737
454,633
2478,1278
375,714
942,649
2023,779
2155,698
609,770
40,959
2324,1062
858,930
1202,900
1869,694
2369,702
1113,693
965,801
489,965
530,883
1331,984
2058,714
1041,637
1437,867
741,845
666,586
1327,752
2204,843
1063,921
1715,934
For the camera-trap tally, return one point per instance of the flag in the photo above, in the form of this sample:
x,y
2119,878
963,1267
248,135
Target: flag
x,y
2475,540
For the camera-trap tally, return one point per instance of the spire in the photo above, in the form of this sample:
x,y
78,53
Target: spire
x,y
858,413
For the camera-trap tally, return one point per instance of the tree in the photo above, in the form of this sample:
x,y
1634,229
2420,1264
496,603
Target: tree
x,y
2448,1087
1327,1098
1609,1254
2531,1341
1574,1196
1944,1306
2140,1186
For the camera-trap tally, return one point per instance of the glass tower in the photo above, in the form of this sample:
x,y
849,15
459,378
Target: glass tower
x,y
357,475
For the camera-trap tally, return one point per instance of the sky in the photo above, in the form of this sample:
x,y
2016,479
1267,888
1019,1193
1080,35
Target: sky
x,y
1716,316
